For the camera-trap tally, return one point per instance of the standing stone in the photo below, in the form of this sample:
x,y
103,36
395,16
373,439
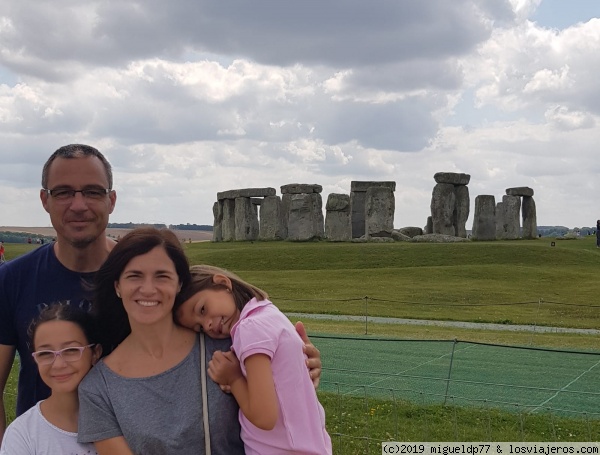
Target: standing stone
x,y
271,219
286,200
318,219
358,190
228,224
305,221
357,204
512,222
461,215
429,225
218,221
484,220
380,205
246,221
287,193
499,220
529,218
443,202
338,227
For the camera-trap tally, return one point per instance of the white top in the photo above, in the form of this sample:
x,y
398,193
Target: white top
x,y
32,434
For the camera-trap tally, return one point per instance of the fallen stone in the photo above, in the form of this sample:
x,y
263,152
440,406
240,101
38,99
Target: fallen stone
x,y
437,238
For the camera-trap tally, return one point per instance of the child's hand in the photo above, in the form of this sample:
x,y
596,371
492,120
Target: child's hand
x,y
224,368
313,362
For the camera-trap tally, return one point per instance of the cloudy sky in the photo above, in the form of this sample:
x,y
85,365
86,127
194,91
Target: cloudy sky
x,y
190,97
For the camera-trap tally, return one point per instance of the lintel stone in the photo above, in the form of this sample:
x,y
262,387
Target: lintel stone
x,y
519,191
246,192
362,186
301,188
452,177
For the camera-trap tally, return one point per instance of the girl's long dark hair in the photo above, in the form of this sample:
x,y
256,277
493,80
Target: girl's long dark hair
x,y
113,323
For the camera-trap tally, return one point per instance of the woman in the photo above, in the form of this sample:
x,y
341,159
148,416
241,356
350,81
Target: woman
x,y
150,394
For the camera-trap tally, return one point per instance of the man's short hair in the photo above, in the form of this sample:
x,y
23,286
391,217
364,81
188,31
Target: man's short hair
x,y
77,151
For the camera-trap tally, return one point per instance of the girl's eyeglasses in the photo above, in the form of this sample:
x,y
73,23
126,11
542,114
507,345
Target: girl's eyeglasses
x,y
70,354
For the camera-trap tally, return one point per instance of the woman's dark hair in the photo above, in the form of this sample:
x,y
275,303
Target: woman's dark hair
x,y
113,322
62,311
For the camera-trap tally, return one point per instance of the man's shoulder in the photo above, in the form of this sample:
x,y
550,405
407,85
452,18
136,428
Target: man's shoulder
x,y
28,259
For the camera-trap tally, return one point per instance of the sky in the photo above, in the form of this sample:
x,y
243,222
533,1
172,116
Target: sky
x,y
188,98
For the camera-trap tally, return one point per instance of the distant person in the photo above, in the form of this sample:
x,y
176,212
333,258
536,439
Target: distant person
x,y
265,367
598,234
64,348
2,259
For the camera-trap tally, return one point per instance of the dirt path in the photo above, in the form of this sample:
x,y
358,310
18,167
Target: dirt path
x,y
458,324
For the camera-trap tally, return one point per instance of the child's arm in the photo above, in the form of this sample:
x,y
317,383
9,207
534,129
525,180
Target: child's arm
x,y
255,394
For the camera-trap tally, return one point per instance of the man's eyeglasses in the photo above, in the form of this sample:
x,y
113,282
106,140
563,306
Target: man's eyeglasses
x,y
66,194
70,354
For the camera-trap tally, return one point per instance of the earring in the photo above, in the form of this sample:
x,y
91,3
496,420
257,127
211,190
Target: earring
x,y
118,294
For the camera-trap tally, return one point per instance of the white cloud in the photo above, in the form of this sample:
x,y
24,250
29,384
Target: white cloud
x,y
191,98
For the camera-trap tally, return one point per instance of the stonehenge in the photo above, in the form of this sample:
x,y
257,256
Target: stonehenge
x,y
367,213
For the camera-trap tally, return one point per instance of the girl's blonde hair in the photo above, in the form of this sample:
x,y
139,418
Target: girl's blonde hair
x,y
202,278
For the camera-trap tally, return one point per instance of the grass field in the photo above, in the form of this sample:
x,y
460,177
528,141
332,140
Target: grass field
x,y
501,282
512,282
517,282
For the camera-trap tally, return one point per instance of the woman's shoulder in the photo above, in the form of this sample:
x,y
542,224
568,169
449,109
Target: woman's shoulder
x,y
94,376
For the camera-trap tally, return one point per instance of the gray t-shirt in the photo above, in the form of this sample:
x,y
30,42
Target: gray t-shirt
x,y
162,414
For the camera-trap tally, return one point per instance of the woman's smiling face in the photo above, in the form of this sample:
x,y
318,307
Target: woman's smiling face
x,y
148,286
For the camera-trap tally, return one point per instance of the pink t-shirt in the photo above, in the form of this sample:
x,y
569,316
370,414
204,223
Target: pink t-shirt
x,y
300,428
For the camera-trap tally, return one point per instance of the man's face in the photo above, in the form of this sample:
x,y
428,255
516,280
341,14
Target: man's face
x,y
78,220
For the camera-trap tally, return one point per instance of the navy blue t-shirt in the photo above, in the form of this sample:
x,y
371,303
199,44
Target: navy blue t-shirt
x,y
28,284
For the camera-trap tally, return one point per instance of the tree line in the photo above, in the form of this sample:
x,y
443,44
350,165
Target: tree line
x,y
180,227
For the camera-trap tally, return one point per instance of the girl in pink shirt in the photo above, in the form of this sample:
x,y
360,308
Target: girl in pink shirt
x,y
266,369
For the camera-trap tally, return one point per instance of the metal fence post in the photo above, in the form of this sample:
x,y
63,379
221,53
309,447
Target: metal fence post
x,y
366,315
450,370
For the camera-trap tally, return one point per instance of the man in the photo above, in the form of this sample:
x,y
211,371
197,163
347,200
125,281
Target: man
x,y
77,194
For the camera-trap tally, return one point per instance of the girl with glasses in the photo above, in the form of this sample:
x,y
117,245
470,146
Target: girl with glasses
x,y
62,340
